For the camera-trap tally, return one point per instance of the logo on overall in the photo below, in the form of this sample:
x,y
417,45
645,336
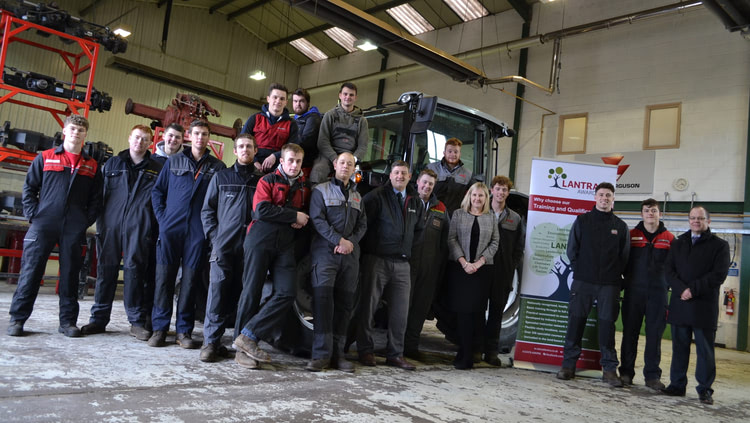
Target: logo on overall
x,y
557,175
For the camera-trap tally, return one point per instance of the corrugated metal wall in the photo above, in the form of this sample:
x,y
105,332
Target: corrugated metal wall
x,y
203,47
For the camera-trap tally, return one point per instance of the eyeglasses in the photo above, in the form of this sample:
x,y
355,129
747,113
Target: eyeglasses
x,y
696,218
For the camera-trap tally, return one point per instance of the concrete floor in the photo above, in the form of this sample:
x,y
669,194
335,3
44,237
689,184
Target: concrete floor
x,y
46,377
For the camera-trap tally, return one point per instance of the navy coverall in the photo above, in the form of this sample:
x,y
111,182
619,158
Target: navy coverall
x,y
336,212
177,199
126,230
60,200
227,210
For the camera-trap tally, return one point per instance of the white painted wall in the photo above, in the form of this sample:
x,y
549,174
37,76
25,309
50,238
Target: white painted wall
x,y
611,74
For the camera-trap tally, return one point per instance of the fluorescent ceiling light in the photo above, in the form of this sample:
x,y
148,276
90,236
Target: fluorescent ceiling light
x,y
308,49
467,10
365,45
410,19
258,75
123,31
342,38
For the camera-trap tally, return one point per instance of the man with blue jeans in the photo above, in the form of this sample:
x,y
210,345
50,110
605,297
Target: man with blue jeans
x,y
177,199
697,264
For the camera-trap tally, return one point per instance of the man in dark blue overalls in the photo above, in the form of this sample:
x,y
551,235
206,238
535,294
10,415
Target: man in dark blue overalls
x,y
177,199
126,231
62,196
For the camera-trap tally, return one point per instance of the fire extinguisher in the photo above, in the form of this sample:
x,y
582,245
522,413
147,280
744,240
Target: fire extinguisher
x,y
729,301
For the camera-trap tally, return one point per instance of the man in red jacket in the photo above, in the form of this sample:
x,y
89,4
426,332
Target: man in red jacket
x,y
62,197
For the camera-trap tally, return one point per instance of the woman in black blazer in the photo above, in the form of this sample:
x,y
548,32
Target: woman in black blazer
x,y
473,238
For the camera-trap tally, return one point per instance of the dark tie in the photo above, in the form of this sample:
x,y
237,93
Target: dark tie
x,y
695,238
400,199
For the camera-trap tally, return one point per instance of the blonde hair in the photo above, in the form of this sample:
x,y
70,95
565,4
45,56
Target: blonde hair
x,y
466,202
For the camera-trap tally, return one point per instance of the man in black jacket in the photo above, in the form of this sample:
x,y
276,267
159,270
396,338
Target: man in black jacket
x,y
62,196
308,124
393,222
598,248
645,295
227,210
696,267
127,231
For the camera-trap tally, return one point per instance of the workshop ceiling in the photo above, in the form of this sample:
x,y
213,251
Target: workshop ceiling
x,y
277,23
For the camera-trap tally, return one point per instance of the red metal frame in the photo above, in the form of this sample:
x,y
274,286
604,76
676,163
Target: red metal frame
x,y
78,63
18,157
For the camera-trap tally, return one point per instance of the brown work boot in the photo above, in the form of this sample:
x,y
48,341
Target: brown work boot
x,y
140,333
185,340
158,339
251,348
317,364
612,378
245,361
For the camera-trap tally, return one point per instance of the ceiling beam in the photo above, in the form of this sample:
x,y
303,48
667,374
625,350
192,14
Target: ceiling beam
x,y
218,6
522,8
319,28
243,10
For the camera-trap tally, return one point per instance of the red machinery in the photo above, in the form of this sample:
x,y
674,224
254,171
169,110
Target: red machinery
x,y
78,62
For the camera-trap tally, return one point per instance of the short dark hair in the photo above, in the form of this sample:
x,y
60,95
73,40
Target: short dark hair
x,y
502,180
277,86
77,120
199,123
429,172
294,148
650,202
605,185
245,136
176,126
302,92
349,85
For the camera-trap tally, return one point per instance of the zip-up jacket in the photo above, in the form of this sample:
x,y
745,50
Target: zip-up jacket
x,y
54,198
392,228
128,209
228,207
275,205
702,267
646,265
271,132
434,241
336,212
179,192
598,248
451,184
308,125
510,248
342,131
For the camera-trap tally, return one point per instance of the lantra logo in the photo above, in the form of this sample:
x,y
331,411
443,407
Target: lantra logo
x,y
561,181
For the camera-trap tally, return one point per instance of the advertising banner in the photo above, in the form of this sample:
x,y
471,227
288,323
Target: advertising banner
x,y
559,192
635,169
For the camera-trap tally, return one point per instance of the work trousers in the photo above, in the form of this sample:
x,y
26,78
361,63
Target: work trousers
x,y
334,282
322,168
224,290
253,320
171,250
637,304
37,246
385,278
499,292
138,288
705,367
424,279
582,297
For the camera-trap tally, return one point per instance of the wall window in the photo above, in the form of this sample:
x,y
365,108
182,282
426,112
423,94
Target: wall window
x,y
662,128
571,134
